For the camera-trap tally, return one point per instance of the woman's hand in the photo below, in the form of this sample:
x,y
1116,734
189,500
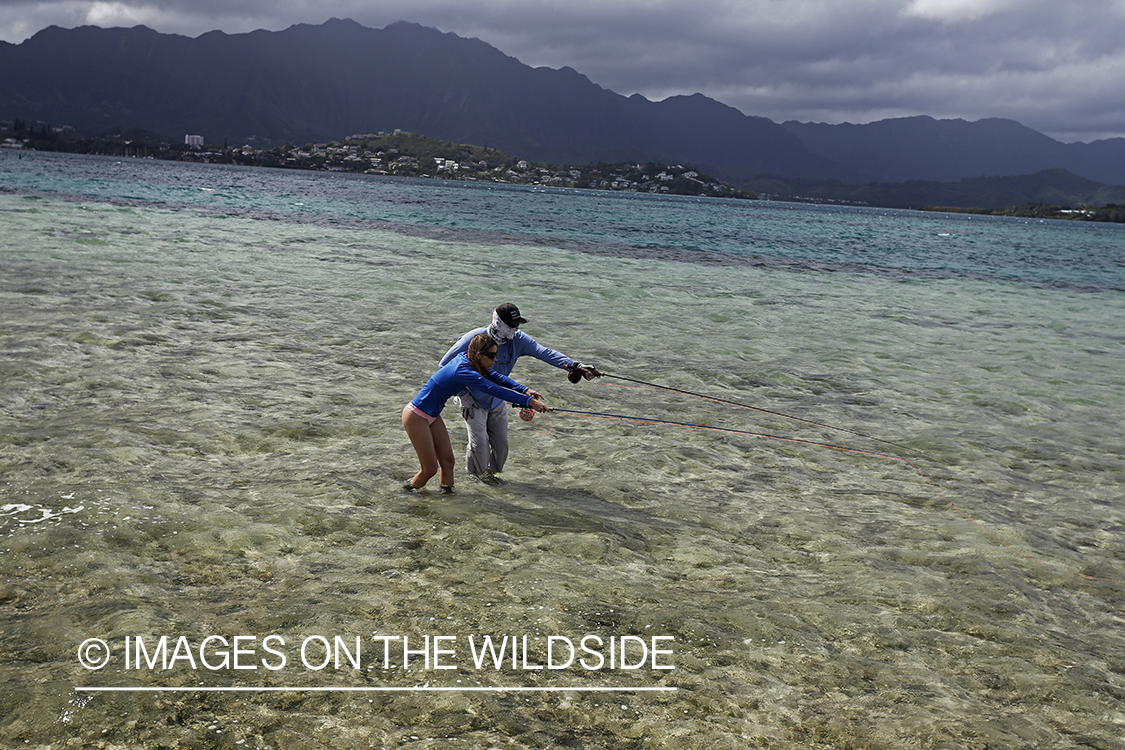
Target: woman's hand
x,y
538,405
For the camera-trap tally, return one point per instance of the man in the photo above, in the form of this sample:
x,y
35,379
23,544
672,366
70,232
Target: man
x,y
486,417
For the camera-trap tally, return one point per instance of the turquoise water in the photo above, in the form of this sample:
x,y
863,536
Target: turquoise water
x,y
202,378
1039,252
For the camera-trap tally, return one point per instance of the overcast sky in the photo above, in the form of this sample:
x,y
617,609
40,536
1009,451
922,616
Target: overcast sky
x,y
1057,66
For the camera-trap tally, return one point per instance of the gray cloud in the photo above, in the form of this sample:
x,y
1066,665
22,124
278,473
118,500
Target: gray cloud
x,y
1056,66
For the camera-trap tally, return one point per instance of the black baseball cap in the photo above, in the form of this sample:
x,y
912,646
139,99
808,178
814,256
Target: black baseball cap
x,y
510,314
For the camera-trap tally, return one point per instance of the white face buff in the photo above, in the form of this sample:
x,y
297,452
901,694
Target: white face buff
x,y
500,330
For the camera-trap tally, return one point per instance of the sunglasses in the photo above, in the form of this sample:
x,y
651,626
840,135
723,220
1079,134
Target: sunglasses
x,y
490,355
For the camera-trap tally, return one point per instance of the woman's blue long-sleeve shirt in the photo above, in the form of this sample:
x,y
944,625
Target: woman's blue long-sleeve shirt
x,y
457,375
506,355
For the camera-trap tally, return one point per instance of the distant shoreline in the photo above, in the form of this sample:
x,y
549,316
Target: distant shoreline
x,y
403,154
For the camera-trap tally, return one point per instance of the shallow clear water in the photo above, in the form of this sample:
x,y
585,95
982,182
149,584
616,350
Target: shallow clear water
x,y
200,437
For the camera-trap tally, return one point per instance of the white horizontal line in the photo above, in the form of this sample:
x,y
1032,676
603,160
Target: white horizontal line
x,y
496,689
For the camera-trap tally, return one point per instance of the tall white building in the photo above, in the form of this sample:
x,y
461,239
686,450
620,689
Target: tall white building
x,y
195,141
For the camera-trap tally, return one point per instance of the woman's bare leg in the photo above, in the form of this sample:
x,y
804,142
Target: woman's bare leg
x,y
443,448
422,438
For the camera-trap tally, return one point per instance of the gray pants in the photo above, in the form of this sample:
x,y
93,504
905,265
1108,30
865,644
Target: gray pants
x,y
488,436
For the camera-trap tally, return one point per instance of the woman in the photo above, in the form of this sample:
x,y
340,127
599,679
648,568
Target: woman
x,y
422,417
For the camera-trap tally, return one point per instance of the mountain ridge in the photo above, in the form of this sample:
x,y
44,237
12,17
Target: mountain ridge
x,y
899,149
313,83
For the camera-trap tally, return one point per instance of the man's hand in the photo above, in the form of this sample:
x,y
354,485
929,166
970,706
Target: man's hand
x,y
579,371
590,372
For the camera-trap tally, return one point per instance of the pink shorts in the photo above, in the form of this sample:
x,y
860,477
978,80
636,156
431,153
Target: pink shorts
x,y
420,413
